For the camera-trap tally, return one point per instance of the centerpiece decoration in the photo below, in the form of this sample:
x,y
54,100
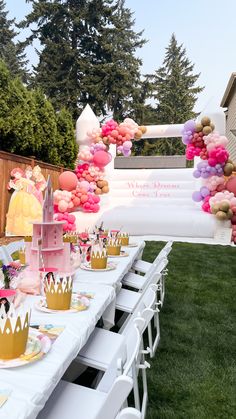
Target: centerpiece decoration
x,y
9,275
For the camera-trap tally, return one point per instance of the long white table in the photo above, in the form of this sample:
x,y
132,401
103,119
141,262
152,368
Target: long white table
x,y
113,277
32,385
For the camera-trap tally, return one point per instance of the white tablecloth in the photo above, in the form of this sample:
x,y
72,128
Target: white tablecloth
x,y
32,385
115,276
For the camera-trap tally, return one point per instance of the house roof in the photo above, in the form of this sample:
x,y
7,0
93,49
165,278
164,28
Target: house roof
x,y
229,89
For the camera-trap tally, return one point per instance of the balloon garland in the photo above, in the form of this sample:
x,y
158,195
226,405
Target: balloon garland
x,y
217,171
81,190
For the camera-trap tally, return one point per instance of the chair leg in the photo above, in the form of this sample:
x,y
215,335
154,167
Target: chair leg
x,y
157,330
135,388
143,366
150,339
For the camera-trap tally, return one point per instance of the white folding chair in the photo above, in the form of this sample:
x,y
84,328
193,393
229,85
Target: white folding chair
x,y
13,247
143,266
70,400
127,300
102,344
139,282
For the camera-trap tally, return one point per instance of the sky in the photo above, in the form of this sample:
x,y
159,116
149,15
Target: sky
x,y
206,28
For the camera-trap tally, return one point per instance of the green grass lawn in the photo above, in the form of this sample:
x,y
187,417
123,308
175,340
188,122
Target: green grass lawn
x,y
193,374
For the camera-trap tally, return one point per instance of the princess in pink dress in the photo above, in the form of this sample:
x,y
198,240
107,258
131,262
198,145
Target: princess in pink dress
x,y
40,183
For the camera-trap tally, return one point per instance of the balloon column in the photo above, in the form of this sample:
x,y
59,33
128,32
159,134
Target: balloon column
x,y
96,156
217,171
81,190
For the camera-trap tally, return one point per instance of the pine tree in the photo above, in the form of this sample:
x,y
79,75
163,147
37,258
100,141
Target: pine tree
x,y
88,53
11,52
175,93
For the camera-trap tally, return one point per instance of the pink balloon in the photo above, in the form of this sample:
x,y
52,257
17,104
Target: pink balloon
x,y
65,226
101,158
67,181
231,185
71,218
59,217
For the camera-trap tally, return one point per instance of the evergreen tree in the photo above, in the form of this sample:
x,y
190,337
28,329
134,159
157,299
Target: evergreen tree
x,y
29,125
66,134
17,115
88,53
46,131
12,53
175,92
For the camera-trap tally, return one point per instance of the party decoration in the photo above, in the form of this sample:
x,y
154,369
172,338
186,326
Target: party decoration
x,y
46,247
14,329
81,190
217,193
67,181
25,205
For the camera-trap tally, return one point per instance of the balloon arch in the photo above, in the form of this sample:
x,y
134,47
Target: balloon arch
x,y
82,189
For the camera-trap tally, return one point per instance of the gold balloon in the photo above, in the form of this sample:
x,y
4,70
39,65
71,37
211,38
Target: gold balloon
x,y
98,191
221,215
212,126
207,130
224,206
198,127
205,121
143,129
105,189
229,214
215,208
138,135
228,169
100,183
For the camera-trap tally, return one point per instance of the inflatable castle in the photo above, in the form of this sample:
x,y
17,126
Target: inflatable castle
x,y
155,202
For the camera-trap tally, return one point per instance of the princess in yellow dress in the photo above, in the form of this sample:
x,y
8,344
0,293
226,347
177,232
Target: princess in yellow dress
x,y
24,207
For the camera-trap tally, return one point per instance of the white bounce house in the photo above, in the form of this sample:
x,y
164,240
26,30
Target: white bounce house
x,y
150,202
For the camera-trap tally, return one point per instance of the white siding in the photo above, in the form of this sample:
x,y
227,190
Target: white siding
x,y
231,124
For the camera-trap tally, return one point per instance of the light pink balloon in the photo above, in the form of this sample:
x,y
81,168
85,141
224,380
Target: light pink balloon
x,y
62,206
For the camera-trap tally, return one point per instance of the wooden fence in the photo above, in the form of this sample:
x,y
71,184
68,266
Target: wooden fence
x,y
8,162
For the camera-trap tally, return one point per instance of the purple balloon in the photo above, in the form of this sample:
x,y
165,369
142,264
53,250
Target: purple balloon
x,y
205,175
196,196
190,125
204,191
197,174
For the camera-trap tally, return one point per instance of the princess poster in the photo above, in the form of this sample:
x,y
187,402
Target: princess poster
x,y
25,205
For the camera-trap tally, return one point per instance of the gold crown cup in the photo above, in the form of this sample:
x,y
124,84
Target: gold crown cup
x,y
14,330
58,291
99,259
124,238
114,246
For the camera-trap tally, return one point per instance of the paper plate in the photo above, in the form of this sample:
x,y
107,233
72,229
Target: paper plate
x,y
37,346
87,267
131,245
121,255
78,303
